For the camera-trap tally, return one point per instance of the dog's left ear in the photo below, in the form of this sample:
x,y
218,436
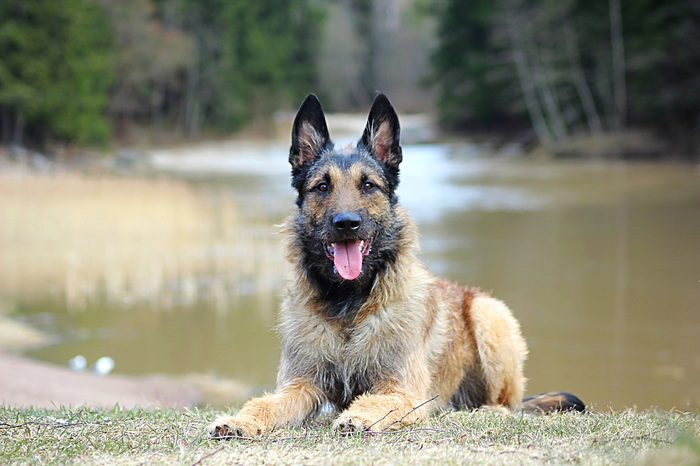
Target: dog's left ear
x,y
382,133
309,133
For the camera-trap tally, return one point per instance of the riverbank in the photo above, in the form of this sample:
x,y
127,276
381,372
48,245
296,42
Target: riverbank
x,y
28,383
69,239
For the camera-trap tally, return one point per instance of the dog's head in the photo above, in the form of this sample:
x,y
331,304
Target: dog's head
x,y
346,197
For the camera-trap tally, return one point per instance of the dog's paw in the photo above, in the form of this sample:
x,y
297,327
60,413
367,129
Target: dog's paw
x,y
498,409
228,427
349,423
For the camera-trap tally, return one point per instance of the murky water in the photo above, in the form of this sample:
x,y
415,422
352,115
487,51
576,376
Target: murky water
x,y
599,261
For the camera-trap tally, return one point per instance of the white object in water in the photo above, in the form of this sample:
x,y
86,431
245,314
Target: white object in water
x,y
77,363
104,365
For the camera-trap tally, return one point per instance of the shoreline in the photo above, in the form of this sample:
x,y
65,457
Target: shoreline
x,y
29,383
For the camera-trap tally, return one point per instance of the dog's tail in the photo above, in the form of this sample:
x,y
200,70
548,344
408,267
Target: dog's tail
x,y
552,402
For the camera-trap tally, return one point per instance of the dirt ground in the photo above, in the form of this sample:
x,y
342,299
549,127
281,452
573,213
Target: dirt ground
x,y
29,383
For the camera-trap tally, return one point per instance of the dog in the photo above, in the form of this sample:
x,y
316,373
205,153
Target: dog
x,y
364,325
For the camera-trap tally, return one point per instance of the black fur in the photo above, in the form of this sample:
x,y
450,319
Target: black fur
x,y
552,402
471,392
342,389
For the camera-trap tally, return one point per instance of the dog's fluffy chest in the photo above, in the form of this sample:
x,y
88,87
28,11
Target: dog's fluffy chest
x,y
351,343
313,340
357,359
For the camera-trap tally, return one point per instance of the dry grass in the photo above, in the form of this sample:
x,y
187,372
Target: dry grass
x,y
483,437
124,240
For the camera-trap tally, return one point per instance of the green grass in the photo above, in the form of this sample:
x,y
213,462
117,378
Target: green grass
x,y
98,436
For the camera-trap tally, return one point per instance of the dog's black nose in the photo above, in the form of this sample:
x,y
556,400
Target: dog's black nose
x,y
347,221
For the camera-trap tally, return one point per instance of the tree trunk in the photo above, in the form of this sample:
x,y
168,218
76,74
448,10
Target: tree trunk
x,y
18,136
618,63
579,77
192,121
547,92
527,85
6,128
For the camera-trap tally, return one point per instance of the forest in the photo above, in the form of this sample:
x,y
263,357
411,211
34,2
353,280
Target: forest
x,y
89,72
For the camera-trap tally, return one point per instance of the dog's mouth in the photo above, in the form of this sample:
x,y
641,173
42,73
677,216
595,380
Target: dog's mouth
x,y
347,256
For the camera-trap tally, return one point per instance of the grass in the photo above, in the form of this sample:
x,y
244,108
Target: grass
x,y
116,436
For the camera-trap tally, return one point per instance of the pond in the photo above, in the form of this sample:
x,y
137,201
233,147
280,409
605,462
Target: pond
x,y
600,262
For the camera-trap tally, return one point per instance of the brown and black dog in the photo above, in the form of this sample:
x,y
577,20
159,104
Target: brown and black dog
x,y
364,325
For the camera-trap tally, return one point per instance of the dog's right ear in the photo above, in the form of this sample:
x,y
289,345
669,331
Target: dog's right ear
x,y
309,133
382,133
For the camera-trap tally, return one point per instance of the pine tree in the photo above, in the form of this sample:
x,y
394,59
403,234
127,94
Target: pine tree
x,y
54,71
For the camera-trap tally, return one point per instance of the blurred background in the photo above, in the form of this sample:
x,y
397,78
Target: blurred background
x,y
551,155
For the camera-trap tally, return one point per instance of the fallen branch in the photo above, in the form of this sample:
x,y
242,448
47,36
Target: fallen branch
x,y
208,456
408,413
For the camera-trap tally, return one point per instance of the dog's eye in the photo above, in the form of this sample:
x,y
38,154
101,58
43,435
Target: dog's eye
x,y
323,187
367,186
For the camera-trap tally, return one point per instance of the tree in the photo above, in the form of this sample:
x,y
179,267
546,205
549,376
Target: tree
x,y
571,66
466,65
150,59
662,46
250,55
54,71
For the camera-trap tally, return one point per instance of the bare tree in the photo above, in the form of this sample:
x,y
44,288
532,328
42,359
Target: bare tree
x,y
525,75
618,63
547,90
579,77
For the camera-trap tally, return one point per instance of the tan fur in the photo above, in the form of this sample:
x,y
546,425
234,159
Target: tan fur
x,y
381,141
345,195
417,336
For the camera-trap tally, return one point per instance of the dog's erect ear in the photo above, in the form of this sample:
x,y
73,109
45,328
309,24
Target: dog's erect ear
x,y
309,133
383,132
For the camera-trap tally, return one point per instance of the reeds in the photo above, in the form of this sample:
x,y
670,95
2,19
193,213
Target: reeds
x,y
127,240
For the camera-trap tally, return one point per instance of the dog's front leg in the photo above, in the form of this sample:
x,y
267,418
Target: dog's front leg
x,y
290,404
379,411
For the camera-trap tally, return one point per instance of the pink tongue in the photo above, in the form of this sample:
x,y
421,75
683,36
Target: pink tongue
x,y
348,258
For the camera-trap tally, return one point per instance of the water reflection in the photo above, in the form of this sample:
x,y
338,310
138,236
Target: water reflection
x,y
599,261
